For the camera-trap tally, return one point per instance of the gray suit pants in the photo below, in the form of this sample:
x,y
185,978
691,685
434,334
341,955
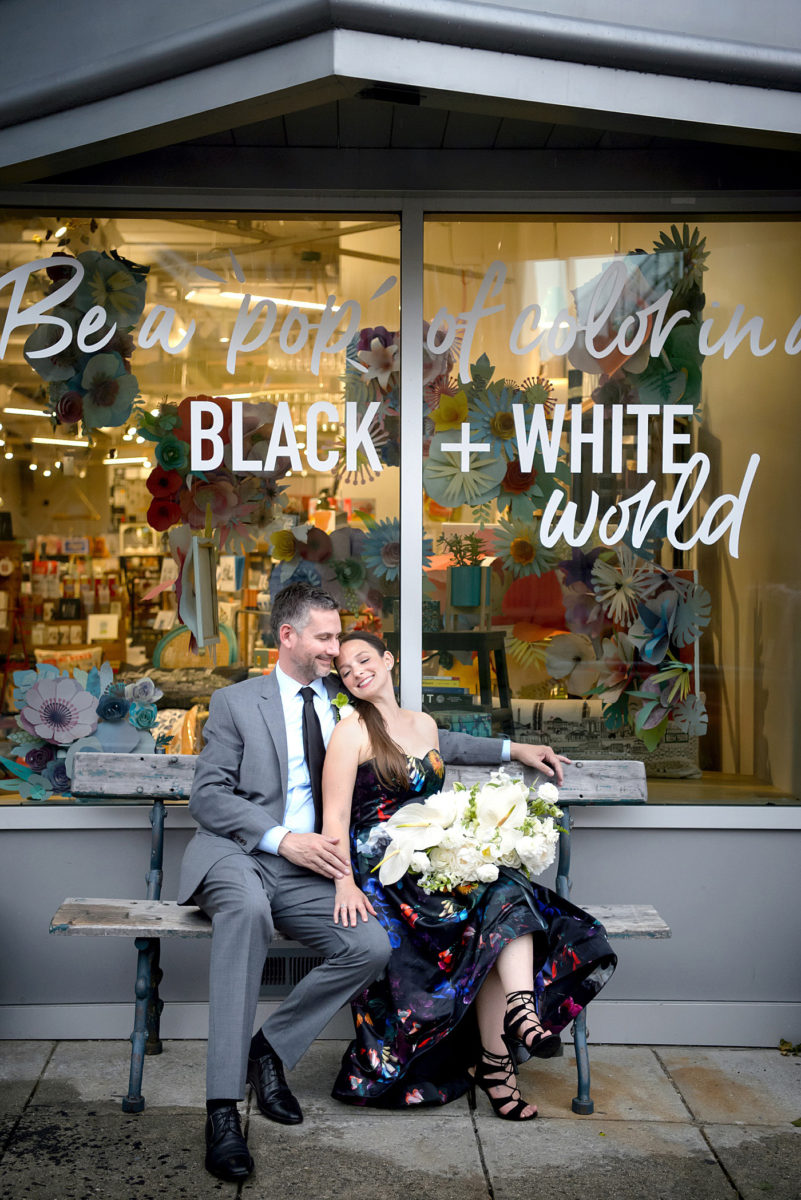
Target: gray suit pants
x,y
247,896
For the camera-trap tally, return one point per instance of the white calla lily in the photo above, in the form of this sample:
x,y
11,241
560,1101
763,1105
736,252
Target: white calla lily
x,y
502,805
406,842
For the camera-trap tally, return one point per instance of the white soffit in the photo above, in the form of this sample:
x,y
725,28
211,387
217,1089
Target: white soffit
x,y
331,65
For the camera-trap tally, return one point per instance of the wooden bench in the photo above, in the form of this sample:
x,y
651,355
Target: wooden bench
x,y
147,921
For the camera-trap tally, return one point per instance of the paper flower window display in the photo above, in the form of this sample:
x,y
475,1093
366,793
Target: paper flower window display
x,y
642,644
95,388
60,716
240,505
518,545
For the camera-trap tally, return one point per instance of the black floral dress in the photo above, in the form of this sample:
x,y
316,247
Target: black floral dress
x,y
416,1033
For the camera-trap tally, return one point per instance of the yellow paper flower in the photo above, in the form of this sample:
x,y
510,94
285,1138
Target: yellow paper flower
x,y
450,412
282,545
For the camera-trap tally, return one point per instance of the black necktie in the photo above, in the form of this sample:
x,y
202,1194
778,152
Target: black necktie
x,y
314,749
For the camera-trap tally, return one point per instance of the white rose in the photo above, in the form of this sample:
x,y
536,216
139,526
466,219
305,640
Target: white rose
x,y
548,792
509,858
467,861
536,852
487,873
419,862
452,839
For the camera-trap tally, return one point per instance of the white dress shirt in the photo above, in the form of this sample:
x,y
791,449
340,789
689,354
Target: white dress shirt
x,y
299,808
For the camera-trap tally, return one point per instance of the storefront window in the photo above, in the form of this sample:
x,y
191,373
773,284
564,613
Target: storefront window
x,y
609,451
607,472
168,377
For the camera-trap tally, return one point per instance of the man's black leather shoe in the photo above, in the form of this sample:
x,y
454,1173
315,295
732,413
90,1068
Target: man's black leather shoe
x,y
266,1077
227,1154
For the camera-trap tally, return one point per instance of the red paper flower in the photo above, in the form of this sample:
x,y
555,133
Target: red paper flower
x,y
515,480
163,484
183,429
69,408
163,513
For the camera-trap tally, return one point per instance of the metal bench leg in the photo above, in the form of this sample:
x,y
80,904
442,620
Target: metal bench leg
x,y
148,948
582,1104
154,1003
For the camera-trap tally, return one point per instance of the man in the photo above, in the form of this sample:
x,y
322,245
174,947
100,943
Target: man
x,y
257,863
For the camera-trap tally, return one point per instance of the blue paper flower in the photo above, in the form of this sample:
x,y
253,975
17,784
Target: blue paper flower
x,y
578,568
56,772
692,614
112,708
293,571
492,420
109,391
381,549
652,630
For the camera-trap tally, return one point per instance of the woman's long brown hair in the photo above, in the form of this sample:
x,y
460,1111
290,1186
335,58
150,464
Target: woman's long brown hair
x,y
391,764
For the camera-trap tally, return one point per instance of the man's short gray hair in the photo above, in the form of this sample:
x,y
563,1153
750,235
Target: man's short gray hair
x,y
293,605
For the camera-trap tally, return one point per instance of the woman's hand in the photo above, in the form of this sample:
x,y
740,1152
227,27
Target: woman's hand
x,y
350,903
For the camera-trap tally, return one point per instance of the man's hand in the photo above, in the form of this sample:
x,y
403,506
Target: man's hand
x,y
542,758
351,903
315,853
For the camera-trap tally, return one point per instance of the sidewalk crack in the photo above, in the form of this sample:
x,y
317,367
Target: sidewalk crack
x,y
698,1125
674,1085
480,1148
11,1133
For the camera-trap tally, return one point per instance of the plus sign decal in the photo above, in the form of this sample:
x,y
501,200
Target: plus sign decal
x,y
465,446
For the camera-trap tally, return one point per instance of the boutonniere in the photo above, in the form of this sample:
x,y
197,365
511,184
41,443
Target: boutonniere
x,y
343,706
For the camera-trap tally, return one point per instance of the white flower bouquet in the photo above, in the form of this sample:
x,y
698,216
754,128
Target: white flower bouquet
x,y
462,837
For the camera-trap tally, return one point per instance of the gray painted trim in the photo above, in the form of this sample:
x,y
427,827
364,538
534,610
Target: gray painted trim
x,y
688,205
689,818
448,22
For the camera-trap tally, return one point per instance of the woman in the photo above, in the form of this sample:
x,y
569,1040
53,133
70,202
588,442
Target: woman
x,y
509,956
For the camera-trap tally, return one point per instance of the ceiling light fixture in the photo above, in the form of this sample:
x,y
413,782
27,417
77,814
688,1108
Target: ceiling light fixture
x,y
26,412
234,299
118,462
40,441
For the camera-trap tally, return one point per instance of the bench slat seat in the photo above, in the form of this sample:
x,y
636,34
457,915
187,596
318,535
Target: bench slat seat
x,y
135,918
628,920
166,918
130,918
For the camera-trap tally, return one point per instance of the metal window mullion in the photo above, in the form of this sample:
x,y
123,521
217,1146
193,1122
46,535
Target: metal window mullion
x,y
411,466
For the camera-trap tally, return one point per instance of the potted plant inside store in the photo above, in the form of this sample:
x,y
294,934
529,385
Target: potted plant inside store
x,y
464,575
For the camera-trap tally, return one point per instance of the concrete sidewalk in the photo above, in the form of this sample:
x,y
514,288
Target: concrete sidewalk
x,y
669,1122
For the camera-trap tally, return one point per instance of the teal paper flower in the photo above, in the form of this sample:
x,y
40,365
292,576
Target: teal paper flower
x,y
142,716
112,284
109,391
172,454
447,484
349,572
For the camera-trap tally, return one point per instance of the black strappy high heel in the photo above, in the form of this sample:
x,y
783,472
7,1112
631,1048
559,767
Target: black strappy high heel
x,y
498,1071
522,1028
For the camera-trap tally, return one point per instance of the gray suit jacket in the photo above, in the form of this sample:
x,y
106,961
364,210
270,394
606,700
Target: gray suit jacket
x,y
240,782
